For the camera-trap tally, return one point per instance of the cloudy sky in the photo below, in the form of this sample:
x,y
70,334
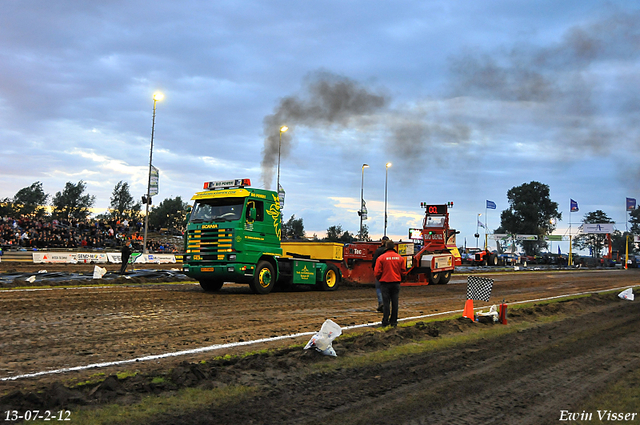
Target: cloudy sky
x,y
466,99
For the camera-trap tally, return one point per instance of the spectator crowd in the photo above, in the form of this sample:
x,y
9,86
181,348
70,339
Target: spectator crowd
x,y
90,234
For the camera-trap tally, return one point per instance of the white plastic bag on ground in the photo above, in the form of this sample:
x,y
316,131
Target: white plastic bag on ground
x,y
627,294
322,340
31,279
492,313
98,272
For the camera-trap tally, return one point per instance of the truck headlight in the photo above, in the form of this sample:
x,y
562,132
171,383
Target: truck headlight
x,y
232,257
186,257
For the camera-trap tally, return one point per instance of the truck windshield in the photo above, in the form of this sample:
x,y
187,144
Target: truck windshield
x,y
208,210
434,221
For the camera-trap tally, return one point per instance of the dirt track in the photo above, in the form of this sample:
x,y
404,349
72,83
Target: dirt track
x,y
50,329
526,377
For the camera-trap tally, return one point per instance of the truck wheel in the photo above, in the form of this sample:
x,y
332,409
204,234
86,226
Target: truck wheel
x,y
434,278
264,279
445,277
330,279
493,260
211,285
484,261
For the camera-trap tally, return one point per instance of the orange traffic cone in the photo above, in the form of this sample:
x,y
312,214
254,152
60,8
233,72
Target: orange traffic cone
x,y
468,310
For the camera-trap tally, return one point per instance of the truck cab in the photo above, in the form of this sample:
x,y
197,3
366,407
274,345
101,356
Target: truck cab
x,y
230,228
233,235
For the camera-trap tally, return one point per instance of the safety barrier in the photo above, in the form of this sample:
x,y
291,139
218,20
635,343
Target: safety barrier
x,y
102,257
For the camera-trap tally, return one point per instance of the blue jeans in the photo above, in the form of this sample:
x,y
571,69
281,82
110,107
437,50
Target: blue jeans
x,y
390,292
378,292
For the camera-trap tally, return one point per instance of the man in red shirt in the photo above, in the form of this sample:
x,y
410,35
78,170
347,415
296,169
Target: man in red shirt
x,y
390,270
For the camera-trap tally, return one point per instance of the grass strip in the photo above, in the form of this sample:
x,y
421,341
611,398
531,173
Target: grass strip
x,y
416,347
152,407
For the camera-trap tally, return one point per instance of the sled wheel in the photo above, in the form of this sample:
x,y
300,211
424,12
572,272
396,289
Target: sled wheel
x,y
445,277
434,278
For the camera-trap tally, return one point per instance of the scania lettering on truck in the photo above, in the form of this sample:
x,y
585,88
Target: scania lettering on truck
x,y
233,235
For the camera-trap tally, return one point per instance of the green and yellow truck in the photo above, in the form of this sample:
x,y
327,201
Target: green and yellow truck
x,y
233,235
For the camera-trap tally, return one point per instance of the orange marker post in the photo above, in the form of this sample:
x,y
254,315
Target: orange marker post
x,y
468,310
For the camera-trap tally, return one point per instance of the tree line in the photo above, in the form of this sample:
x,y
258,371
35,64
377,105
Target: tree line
x,y
74,203
530,212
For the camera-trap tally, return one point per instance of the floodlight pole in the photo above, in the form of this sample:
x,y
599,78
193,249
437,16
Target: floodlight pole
x,y
156,97
362,197
282,130
386,178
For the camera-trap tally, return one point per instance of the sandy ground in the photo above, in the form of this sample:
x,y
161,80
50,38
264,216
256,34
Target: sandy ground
x,y
50,329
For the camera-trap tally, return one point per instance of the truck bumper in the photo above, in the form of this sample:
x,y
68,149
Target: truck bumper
x,y
229,272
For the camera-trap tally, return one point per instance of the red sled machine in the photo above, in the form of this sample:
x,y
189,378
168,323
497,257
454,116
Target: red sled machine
x,y
431,255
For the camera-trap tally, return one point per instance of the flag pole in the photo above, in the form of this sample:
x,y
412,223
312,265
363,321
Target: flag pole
x,y
570,251
626,257
486,247
570,259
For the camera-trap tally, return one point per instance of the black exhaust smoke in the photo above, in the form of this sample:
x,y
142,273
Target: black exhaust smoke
x,y
327,99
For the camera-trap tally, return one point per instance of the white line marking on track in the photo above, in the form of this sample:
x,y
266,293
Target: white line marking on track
x,y
258,341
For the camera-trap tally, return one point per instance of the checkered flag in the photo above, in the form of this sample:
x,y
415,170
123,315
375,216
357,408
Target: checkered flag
x,y
479,288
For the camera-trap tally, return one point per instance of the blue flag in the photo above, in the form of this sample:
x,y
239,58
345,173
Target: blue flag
x,y
631,204
491,205
574,206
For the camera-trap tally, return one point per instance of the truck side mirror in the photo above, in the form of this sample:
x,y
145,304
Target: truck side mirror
x,y
252,214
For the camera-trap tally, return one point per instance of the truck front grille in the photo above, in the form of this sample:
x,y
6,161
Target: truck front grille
x,y
211,244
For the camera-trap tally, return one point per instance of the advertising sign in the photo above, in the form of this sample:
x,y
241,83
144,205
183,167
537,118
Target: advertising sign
x,y
153,188
281,195
527,237
599,228
138,258
103,257
64,257
53,257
